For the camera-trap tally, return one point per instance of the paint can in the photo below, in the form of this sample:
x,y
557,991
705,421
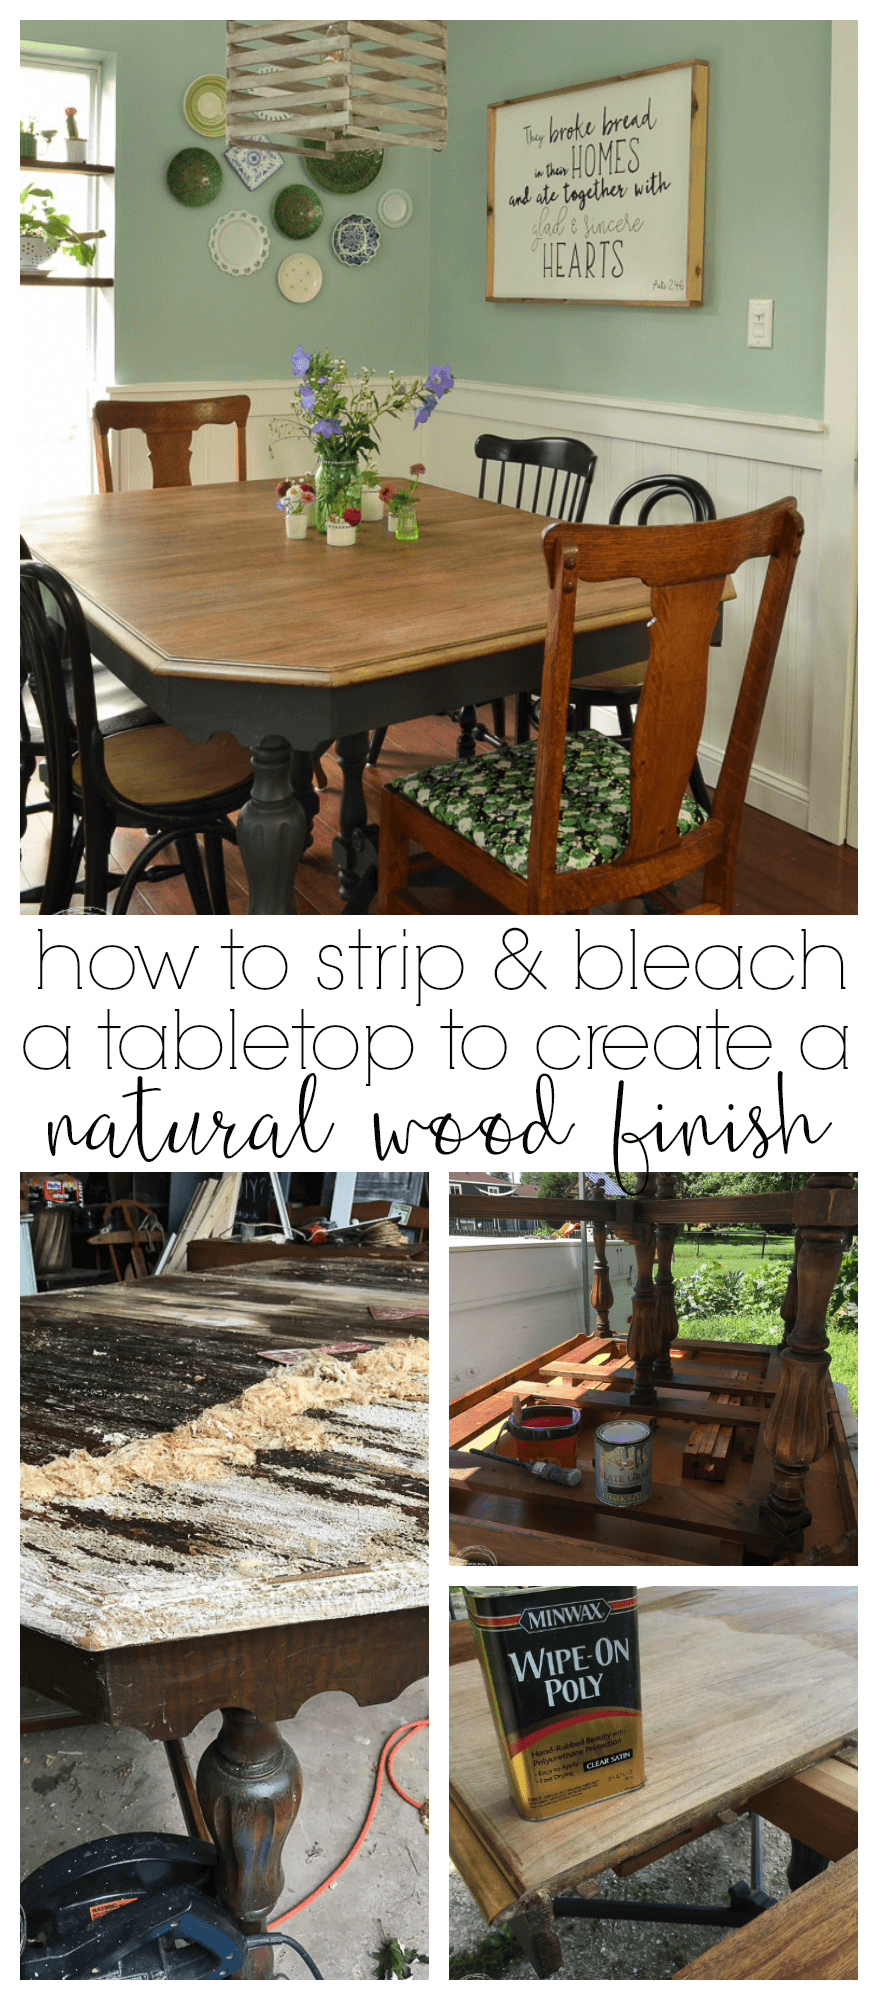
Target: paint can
x,y
561,1668
543,1430
623,1462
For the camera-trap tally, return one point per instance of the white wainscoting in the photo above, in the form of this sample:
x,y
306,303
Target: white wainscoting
x,y
745,460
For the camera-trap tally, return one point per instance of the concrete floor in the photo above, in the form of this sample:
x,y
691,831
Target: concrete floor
x,y
79,1783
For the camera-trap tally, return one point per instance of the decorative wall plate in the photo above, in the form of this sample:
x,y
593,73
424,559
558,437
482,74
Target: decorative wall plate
x,y
204,106
343,173
297,210
355,240
194,177
300,278
252,165
264,90
239,243
395,208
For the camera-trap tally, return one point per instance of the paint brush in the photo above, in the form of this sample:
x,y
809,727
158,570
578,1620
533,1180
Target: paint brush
x,y
541,1468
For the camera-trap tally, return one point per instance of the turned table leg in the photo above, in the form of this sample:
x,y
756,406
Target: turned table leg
x,y
790,1301
601,1289
249,1786
352,850
272,831
796,1429
643,1338
667,1324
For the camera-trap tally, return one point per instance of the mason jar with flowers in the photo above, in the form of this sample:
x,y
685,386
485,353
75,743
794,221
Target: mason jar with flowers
x,y
340,413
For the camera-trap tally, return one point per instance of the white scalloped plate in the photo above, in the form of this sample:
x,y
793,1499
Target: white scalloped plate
x,y
395,208
239,243
300,278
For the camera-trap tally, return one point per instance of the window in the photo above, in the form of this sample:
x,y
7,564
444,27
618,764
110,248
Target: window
x,y
66,333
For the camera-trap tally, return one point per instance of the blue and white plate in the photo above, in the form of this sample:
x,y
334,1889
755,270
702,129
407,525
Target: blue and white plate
x,y
252,165
355,240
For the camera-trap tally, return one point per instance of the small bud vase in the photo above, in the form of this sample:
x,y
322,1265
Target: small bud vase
x,y
371,504
340,534
76,149
407,524
391,524
297,527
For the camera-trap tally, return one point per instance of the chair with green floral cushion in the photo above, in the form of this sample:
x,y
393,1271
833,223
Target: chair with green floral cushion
x,y
571,822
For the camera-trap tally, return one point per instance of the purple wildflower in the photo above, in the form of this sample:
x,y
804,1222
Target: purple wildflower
x,y
439,381
425,412
326,427
307,398
301,361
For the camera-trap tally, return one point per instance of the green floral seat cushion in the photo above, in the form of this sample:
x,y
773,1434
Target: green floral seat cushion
x,y
489,801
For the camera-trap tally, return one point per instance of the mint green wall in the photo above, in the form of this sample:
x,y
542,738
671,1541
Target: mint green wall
x,y
179,318
766,223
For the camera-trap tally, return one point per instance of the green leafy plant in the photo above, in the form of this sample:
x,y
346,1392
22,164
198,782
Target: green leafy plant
x,y
489,1959
394,1960
57,229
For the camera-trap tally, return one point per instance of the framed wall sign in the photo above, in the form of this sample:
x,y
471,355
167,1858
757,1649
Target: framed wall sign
x,y
596,191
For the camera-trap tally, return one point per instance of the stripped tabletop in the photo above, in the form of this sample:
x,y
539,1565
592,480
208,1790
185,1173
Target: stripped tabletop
x,y
740,1687
321,1509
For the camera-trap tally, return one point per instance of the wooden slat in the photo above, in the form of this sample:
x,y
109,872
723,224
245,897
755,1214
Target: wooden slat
x,y
809,1935
818,1806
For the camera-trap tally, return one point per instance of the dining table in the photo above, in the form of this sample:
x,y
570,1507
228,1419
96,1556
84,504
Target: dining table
x,y
198,601
749,1705
286,1558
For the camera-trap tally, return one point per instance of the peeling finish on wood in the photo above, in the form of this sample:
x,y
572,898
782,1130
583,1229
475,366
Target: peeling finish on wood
x,y
334,1526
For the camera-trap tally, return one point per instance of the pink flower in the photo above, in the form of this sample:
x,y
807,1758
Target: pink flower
x,y
417,470
352,516
386,492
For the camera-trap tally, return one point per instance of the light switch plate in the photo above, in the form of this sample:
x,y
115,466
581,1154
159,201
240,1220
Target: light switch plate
x,y
760,323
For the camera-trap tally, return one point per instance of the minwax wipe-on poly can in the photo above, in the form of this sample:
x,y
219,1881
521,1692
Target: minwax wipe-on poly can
x,y
562,1670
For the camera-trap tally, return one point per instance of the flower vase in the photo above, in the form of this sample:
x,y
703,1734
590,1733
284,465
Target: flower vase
x,y
297,527
406,524
76,149
339,485
27,144
391,523
371,504
340,535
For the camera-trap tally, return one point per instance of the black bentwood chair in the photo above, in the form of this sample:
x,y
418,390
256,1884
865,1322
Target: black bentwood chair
x,y
150,777
570,468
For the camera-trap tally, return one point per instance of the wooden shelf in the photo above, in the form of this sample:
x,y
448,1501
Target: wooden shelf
x,y
63,167
43,278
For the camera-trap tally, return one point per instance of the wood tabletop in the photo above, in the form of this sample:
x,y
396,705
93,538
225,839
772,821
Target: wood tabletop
x,y
809,1935
332,1523
741,1686
202,582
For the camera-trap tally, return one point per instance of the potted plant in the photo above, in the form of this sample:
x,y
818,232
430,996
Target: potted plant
x,y
27,139
43,231
341,529
75,145
372,505
296,502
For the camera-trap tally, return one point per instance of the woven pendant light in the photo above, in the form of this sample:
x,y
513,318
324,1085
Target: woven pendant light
x,y
345,86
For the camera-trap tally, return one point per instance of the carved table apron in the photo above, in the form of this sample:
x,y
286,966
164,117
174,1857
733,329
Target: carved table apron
x,y
196,599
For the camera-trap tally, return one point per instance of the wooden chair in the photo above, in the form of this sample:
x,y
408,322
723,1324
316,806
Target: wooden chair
x,y
117,709
168,428
619,687
150,777
575,821
567,461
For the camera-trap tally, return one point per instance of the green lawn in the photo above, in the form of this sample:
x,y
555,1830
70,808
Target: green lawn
x,y
767,1333
743,1254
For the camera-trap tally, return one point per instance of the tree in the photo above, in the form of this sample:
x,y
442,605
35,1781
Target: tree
x,y
551,1187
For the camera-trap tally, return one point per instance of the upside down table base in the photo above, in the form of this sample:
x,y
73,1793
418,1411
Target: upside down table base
x,y
249,1782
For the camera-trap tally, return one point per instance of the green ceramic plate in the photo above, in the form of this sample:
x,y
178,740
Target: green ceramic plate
x,y
346,173
297,211
204,106
194,177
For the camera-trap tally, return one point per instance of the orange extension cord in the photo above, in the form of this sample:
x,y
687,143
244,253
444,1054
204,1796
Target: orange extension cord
x,y
395,1741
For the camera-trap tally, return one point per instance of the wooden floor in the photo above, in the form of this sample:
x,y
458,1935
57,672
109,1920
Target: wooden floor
x,y
781,871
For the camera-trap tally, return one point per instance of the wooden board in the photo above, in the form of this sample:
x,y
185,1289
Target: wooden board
x,y
741,1687
690,1519
819,1806
809,1935
334,1526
